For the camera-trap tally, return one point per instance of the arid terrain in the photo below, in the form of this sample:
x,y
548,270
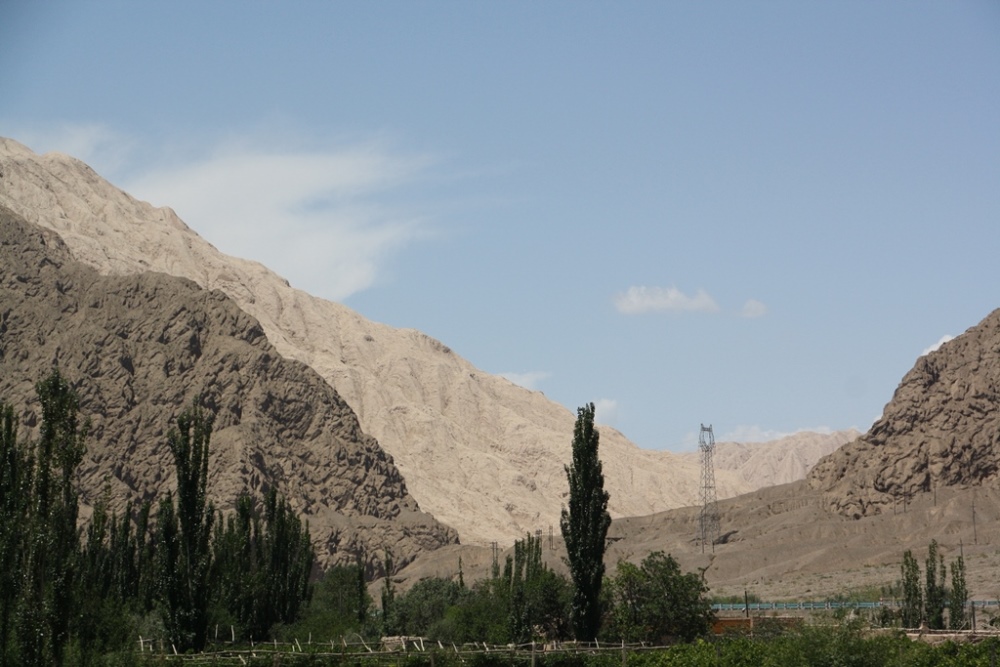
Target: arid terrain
x,y
387,437
926,470
478,452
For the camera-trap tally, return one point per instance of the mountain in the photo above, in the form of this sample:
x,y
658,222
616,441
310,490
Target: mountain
x,y
941,429
140,348
787,459
926,470
481,454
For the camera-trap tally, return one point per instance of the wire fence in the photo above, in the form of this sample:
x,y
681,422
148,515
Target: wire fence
x,y
393,652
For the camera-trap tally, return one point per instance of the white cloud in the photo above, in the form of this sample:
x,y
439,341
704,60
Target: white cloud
x,y
641,299
753,308
527,380
102,148
944,339
606,411
312,216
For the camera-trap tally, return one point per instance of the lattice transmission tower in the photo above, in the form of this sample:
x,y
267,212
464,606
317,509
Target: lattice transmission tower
x,y
708,522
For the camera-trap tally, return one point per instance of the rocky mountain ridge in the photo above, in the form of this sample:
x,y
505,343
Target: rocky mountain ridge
x,y
928,469
941,429
481,454
140,348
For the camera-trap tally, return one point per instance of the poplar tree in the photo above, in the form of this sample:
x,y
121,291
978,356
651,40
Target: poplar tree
x,y
935,595
263,566
958,596
51,545
15,485
913,602
185,534
585,526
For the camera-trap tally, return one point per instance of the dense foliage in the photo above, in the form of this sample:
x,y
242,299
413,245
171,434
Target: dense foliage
x,y
820,646
585,525
262,564
524,601
67,597
40,506
656,602
928,604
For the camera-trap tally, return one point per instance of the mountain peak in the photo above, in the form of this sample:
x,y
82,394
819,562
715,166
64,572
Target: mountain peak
x,y
480,453
940,429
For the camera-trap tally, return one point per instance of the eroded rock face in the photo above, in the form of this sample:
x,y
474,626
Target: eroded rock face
x,y
140,348
941,429
480,453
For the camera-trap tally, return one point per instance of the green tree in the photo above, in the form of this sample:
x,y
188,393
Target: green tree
x,y
51,545
185,534
935,594
333,608
657,602
536,599
389,625
15,501
913,602
425,605
627,601
363,601
262,564
585,526
106,583
959,595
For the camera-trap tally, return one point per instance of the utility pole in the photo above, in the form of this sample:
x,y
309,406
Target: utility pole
x,y
708,522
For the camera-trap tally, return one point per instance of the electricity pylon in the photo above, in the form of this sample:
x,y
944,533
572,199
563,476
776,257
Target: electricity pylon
x,y
709,520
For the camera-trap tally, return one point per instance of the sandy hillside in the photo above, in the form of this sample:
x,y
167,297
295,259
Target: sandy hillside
x,y
478,452
139,349
784,543
926,470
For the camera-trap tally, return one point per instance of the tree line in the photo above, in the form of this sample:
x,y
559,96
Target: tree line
x,y
67,596
174,566
653,601
927,603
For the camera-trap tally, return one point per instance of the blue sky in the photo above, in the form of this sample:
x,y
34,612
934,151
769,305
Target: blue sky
x,y
755,215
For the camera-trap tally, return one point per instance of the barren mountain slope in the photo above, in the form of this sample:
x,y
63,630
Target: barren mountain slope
x,y
140,348
785,543
787,459
478,452
941,429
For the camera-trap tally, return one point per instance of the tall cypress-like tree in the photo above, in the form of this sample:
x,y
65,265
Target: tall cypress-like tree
x,y
262,568
585,526
913,600
185,535
388,598
958,596
15,502
52,544
935,595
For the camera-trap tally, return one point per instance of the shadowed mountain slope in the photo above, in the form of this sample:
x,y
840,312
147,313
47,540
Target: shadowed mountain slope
x,y
141,348
479,453
941,429
927,470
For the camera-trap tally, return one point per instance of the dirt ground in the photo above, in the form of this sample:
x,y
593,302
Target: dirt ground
x,y
782,543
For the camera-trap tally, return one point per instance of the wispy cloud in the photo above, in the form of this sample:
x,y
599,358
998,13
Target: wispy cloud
x,y
321,218
104,149
641,299
527,380
753,309
606,411
944,339
316,217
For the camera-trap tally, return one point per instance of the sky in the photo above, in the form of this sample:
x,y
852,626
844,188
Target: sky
x,y
754,215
